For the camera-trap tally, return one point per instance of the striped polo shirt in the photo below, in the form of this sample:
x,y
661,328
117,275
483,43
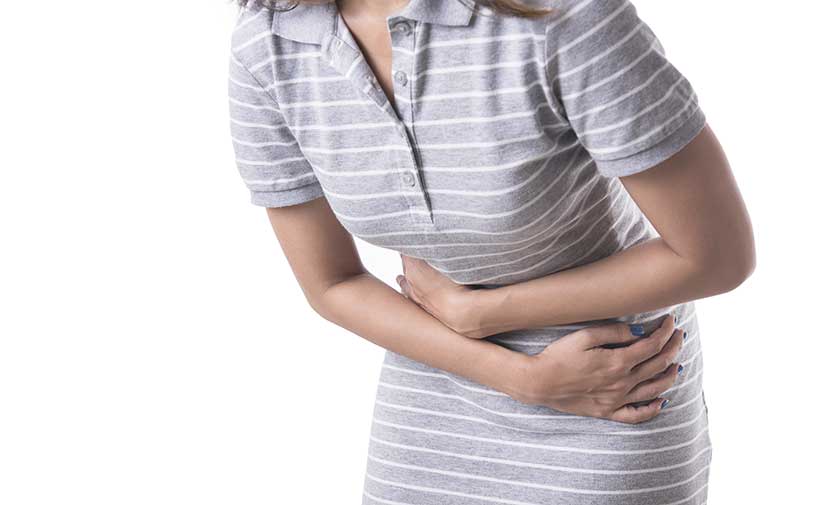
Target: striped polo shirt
x,y
499,162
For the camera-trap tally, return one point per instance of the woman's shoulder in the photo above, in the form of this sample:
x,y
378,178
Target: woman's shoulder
x,y
253,23
586,13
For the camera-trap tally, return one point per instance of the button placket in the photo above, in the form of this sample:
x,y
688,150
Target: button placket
x,y
403,38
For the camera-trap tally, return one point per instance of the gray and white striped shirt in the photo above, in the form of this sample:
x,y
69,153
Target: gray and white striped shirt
x,y
497,164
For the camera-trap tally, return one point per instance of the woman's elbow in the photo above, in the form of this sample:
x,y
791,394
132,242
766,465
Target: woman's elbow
x,y
732,267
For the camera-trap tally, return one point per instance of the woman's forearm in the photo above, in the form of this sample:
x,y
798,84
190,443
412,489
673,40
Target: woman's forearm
x,y
365,305
645,277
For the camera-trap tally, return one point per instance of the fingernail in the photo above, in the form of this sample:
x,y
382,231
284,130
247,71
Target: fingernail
x,y
676,319
680,369
685,334
636,329
665,403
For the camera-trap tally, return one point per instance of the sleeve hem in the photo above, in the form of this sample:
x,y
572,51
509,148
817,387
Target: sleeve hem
x,y
286,197
657,153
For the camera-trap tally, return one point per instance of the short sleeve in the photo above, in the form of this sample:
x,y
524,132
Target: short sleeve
x,y
268,157
610,79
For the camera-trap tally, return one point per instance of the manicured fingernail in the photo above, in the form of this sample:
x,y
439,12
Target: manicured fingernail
x,y
676,319
680,369
636,329
685,334
665,403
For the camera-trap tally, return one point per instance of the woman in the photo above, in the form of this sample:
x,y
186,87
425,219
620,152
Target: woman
x,y
559,202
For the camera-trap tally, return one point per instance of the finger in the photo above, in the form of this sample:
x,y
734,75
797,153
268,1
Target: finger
x,y
634,414
660,361
404,285
647,347
615,334
655,386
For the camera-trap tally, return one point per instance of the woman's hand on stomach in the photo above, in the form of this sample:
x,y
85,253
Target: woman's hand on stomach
x,y
575,374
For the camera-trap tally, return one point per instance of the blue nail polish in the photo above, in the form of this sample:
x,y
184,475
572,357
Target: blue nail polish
x,y
680,369
676,319
685,334
665,403
636,329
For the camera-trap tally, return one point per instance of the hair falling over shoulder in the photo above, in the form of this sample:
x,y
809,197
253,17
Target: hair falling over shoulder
x,y
504,7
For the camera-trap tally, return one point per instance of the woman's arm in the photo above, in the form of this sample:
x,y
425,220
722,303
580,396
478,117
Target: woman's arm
x,y
706,247
337,286
576,376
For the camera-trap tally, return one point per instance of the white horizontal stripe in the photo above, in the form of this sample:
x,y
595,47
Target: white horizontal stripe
x,y
513,415
281,180
343,127
591,61
492,392
631,92
253,40
460,95
393,171
609,184
677,502
358,150
310,80
551,231
534,200
474,41
609,150
441,491
614,225
477,193
483,145
569,14
429,122
479,420
534,485
622,71
285,56
248,20
277,162
259,125
547,447
449,415
455,69
325,103
254,87
252,106
541,466
263,144
592,31
633,118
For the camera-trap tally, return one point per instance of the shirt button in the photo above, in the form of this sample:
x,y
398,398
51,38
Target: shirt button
x,y
408,179
403,27
401,78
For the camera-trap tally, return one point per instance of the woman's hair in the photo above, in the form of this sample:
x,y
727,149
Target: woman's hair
x,y
506,7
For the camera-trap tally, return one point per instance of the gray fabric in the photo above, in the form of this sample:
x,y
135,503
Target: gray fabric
x,y
499,164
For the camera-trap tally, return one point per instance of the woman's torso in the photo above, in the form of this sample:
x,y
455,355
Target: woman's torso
x,y
472,170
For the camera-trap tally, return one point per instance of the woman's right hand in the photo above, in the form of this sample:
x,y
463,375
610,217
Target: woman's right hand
x,y
577,376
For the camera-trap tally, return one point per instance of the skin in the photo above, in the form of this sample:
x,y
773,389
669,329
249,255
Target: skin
x,y
706,247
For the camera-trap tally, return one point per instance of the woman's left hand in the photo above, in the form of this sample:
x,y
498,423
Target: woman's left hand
x,y
447,301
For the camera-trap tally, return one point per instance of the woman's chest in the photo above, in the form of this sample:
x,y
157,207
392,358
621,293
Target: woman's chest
x,y
469,156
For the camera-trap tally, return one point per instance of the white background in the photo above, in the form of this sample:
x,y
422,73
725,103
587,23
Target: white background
x,y
156,348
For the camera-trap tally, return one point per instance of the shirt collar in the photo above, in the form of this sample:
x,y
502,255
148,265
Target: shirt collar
x,y
311,22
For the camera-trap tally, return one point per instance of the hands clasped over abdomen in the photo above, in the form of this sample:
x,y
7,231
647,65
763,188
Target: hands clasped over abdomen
x,y
604,371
